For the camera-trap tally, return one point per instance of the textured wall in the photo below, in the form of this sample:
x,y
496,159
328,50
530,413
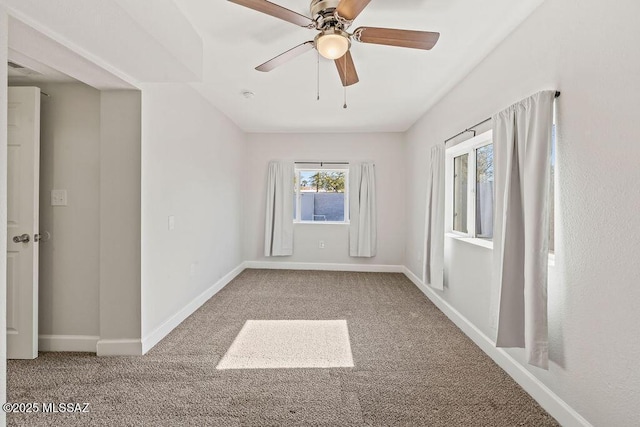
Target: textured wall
x,y
583,49
384,149
192,169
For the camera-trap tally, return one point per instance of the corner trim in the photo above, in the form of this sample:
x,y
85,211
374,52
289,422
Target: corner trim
x,y
155,336
551,402
365,268
120,347
81,343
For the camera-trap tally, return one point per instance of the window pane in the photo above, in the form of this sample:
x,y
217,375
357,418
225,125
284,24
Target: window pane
x,y
322,195
484,192
295,195
460,175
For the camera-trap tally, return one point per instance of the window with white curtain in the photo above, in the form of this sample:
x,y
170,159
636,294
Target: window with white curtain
x,y
469,188
470,193
321,195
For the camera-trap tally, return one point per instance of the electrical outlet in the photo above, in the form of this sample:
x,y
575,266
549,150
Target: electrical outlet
x,y
321,244
58,197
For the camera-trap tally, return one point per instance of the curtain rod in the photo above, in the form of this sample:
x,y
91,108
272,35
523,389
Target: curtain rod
x,y
471,128
321,163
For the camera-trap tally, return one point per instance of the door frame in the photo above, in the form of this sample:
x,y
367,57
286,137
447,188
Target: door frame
x,y
93,72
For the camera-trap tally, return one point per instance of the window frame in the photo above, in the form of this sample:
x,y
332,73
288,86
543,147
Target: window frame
x,y
468,147
297,193
471,145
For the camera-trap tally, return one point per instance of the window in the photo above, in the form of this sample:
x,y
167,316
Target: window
x,y
470,187
460,178
321,195
484,192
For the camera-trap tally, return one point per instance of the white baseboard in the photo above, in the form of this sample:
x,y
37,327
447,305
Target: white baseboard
x,y
364,268
153,338
551,402
120,347
83,343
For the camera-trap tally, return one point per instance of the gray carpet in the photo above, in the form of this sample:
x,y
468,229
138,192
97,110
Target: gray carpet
x,y
413,367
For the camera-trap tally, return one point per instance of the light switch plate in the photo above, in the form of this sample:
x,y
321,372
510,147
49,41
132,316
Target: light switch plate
x,y
58,197
172,222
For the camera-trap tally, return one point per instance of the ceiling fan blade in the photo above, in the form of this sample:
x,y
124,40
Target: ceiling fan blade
x,y
274,10
347,70
350,9
402,38
287,56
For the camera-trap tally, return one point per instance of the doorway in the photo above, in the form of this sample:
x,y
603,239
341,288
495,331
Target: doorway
x,y
76,149
67,292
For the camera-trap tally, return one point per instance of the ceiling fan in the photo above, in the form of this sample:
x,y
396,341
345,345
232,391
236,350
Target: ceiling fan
x,y
332,18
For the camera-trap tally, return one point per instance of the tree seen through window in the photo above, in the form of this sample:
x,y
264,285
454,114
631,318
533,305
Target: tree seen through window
x,y
320,196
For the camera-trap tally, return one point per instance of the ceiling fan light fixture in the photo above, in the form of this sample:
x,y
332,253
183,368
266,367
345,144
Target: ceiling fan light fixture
x,y
333,43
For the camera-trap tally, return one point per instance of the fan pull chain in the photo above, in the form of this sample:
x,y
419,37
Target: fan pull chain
x,y
346,80
345,98
318,98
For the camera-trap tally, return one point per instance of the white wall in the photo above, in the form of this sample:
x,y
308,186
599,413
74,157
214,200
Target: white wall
x,y
120,222
192,169
70,160
384,149
585,50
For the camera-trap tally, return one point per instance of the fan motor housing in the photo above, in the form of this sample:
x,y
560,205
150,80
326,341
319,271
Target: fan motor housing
x,y
323,12
319,7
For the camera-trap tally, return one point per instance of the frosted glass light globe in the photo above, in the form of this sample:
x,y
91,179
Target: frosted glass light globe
x,y
332,46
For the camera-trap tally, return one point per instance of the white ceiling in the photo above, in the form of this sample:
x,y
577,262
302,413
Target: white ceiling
x,y
133,40
181,40
396,87
47,61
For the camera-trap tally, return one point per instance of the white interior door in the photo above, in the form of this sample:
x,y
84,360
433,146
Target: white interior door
x,y
22,222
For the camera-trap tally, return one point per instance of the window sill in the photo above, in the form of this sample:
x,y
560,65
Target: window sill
x,y
552,259
488,244
321,222
472,240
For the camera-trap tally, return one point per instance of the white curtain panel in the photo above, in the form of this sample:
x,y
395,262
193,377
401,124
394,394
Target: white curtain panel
x,y
522,148
278,237
433,273
362,210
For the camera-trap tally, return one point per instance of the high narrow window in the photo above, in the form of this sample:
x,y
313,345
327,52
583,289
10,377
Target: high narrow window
x,y
484,192
460,193
470,191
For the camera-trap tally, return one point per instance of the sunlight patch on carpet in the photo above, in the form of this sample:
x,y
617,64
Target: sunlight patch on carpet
x,y
271,344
